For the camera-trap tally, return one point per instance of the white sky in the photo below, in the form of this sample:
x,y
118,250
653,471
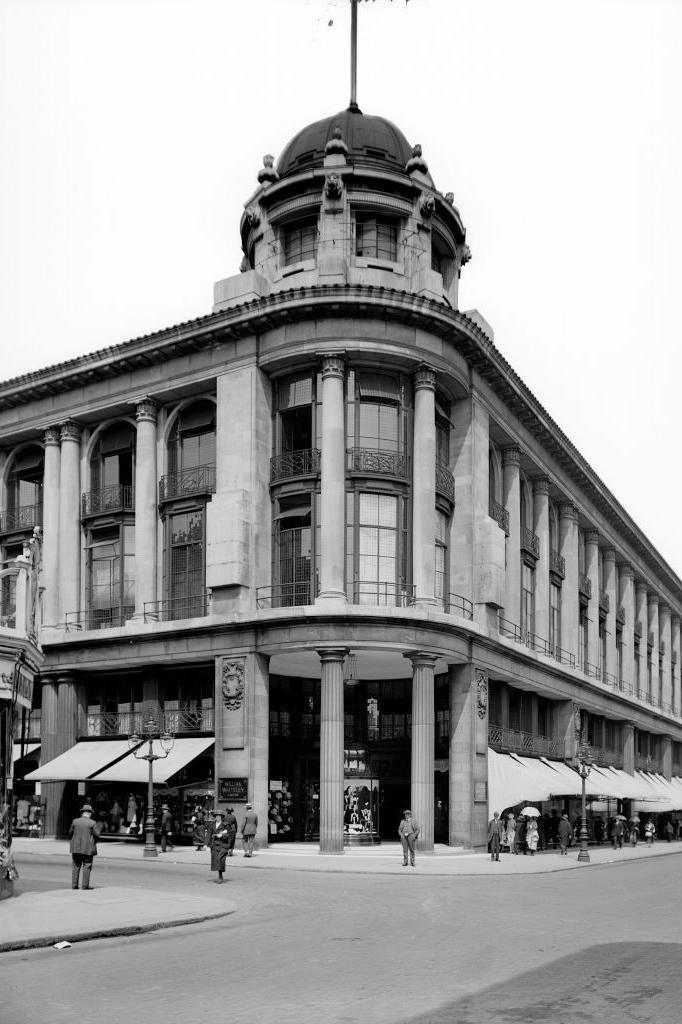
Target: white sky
x,y
131,132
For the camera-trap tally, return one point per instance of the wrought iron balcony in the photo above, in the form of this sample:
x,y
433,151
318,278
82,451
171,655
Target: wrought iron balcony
x,y
557,564
123,723
500,515
189,606
530,542
604,601
585,585
564,657
187,483
504,739
647,763
286,595
117,498
25,517
510,629
377,462
539,644
606,756
445,482
98,618
375,592
454,604
593,671
305,462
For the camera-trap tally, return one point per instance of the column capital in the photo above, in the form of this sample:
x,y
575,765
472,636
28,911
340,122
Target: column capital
x,y
146,409
333,365
609,555
628,727
675,621
567,510
511,455
664,609
540,484
625,569
424,378
653,600
51,436
332,654
70,431
421,659
592,536
641,587
65,677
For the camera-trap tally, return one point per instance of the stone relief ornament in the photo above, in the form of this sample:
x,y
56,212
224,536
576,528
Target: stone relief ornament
x,y
450,198
333,186
466,255
233,684
427,206
253,217
578,721
416,161
336,145
481,694
267,172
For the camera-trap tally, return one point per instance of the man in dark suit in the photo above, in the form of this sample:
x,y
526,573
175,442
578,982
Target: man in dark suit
x,y
166,828
249,827
84,832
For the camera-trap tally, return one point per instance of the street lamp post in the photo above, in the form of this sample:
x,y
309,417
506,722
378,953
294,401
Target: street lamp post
x,y
583,767
151,732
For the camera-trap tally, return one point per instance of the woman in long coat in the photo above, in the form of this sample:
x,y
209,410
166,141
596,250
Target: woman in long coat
x,y
220,845
199,828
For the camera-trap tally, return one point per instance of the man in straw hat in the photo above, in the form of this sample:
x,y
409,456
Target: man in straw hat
x,y
84,833
408,831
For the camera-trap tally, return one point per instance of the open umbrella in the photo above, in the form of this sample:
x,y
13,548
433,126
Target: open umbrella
x,y
635,819
621,817
530,812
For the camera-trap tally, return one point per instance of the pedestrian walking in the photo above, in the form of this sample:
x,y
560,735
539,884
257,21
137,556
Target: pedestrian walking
x,y
634,832
495,836
532,836
231,823
199,828
408,832
565,832
668,830
249,827
510,836
220,845
83,846
598,830
617,833
649,832
166,828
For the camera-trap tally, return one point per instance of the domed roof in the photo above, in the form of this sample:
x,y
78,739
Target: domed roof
x,y
374,140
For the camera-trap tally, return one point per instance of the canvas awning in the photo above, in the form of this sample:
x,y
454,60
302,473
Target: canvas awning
x,y
80,762
136,769
567,782
511,782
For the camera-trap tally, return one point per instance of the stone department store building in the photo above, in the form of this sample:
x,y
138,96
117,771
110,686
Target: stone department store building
x,y
328,536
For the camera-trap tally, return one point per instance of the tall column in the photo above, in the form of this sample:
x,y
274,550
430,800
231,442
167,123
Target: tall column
x,y
541,529
676,698
69,520
332,483
50,747
642,620
424,486
331,750
612,595
259,746
568,539
629,747
592,572
654,634
627,600
50,572
511,458
665,638
468,757
423,745
67,724
146,516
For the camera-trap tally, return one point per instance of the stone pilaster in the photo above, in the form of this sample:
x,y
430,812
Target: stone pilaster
x,y
654,637
50,745
511,458
259,743
665,641
541,529
146,515
424,486
569,726
50,569
629,747
331,750
468,757
676,697
332,484
69,520
667,757
592,572
612,595
627,600
423,746
568,540
642,620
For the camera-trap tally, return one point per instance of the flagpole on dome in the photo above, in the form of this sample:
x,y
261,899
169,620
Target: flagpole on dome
x,y
354,57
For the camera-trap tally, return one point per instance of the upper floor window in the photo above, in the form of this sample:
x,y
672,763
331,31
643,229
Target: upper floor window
x,y
25,480
376,548
441,566
442,259
442,434
192,441
295,408
300,241
376,420
553,528
376,237
111,462
184,564
111,576
581,552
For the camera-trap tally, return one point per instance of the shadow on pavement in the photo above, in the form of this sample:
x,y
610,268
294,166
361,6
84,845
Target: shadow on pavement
x,y
614,983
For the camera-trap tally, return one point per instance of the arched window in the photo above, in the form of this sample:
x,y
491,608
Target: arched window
x,y
553,528
25,482
192,441
493,492
111,469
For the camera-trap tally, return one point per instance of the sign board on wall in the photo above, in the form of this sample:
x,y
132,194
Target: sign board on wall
x,y
233,789
480,792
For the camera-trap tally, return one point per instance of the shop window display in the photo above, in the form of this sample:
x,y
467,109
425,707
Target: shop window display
x,y
361,810
280,810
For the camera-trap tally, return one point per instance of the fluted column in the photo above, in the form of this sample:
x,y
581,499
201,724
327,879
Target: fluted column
x,y
69,520
331,750
423,745
541,529
568,539
676,699
511,458
612,595
424,486
627,600
592,573
629,747
50,571
665,638
146,516
642,619
654,634
332,483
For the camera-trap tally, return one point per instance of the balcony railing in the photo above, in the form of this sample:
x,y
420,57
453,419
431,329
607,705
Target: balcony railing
x,y
188,482
378,462
606,756
500,515
374,592
557,564
646,763
23,518
604,601
454,604
530,542
564,657
445,481
191,606
123,723
117,498
286,595
98,618
539,644
511,630
504,739
305,462
593,671
585,585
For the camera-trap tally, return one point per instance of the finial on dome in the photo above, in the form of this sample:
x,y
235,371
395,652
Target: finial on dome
x,y
416,161
267,172
336,143
450,198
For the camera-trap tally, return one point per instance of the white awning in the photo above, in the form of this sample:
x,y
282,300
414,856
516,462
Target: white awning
x,y
80,762
567,782
655,798
136,769
511,782
29,748
629,786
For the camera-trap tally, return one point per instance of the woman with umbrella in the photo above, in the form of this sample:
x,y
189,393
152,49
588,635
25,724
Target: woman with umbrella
x,y
530,815
634,830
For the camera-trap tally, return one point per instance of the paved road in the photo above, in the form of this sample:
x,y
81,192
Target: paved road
x,y
600,945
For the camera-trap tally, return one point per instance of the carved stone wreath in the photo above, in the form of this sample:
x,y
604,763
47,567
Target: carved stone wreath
x,y
481,694
233,684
